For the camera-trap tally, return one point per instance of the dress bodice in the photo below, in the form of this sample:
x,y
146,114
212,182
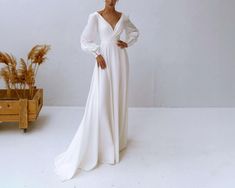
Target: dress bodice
x,y
105,30
97,26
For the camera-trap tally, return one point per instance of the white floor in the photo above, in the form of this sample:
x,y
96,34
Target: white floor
x,y
168,148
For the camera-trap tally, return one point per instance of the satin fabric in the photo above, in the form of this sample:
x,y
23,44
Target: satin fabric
x,y
102,132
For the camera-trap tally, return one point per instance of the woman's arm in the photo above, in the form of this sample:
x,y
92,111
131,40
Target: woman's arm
x,y
89,36
132,33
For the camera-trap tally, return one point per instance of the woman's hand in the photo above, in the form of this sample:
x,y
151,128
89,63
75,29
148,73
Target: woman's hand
x,y
122,44
100,61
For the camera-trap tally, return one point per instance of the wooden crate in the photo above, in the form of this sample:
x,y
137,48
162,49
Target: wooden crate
x,y
22,110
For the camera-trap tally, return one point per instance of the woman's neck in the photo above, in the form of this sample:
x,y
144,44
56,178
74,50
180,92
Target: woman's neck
x,y
108,9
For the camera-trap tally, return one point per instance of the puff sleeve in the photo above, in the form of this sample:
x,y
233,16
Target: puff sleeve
x,y
89,36
132,33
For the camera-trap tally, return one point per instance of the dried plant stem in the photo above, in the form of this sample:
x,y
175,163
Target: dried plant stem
x,y
14,83
24,89
36,71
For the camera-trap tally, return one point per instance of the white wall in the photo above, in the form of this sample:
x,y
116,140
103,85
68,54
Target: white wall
x,y
184,56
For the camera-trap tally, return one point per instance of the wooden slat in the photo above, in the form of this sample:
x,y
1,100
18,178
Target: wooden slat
x,y
15,118
9,107
32,106
23,113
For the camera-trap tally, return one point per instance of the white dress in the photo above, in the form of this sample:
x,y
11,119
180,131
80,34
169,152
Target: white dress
x,y
102,132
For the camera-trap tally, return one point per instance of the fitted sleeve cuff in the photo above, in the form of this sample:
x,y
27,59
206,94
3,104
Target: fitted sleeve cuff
x,y
96,53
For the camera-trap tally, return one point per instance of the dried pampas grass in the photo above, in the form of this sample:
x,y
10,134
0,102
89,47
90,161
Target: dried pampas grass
x,y
5,74
25,75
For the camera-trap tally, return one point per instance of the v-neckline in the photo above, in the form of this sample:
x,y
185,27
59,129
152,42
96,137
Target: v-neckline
x,y
113,29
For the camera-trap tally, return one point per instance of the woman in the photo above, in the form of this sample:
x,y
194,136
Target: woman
x,y
102,133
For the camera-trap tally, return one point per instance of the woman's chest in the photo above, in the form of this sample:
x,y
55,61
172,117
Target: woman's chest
x,y
106,29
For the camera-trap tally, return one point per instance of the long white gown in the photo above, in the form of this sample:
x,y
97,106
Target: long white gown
x,y
102,132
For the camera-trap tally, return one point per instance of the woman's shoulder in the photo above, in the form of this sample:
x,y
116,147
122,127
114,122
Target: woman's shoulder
x,y
95,13
92,16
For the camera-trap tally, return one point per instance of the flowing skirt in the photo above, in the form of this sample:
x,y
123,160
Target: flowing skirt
x,y
102,132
